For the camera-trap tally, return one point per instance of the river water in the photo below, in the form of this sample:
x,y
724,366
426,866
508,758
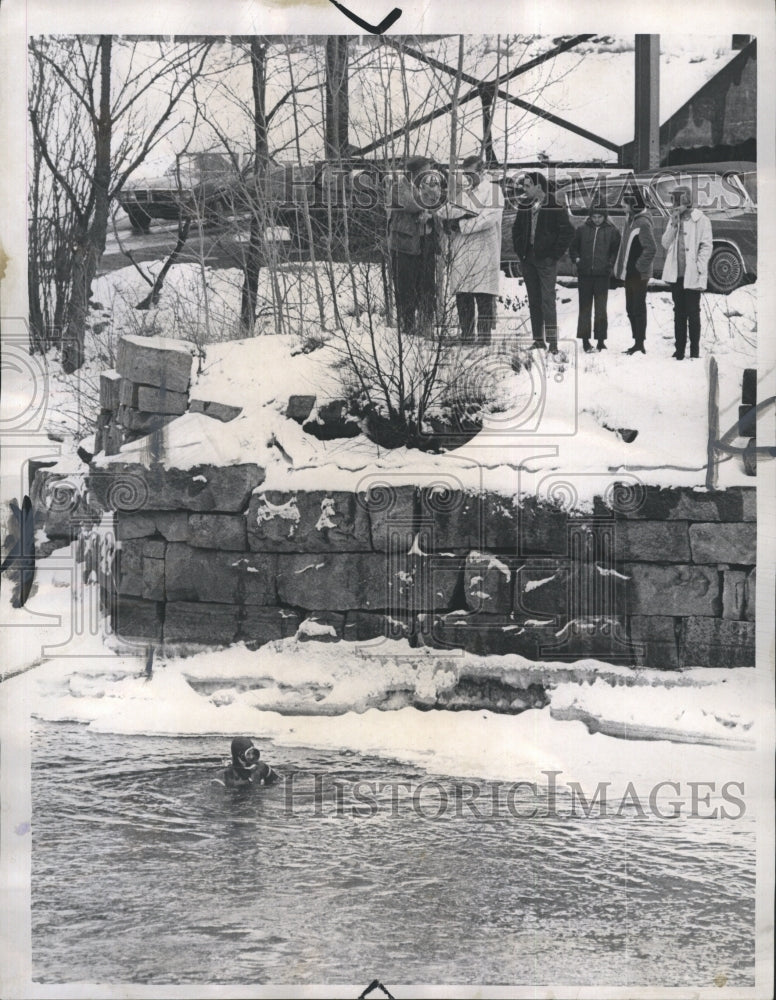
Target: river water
x,y
146,871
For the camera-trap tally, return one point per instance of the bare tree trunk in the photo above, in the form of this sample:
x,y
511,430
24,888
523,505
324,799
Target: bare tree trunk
x,y
156,288
258,198
91,247
337,106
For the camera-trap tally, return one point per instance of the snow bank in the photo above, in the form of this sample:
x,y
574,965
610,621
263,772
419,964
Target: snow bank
x,y
529,446
481,744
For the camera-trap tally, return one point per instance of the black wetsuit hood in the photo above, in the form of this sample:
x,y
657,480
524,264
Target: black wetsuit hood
x,y
239,746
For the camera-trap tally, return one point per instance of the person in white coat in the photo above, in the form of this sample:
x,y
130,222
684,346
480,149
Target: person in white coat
x,y
688,244
473,224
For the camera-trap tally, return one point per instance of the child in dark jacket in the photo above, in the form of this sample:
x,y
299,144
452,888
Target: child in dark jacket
x,y
594,249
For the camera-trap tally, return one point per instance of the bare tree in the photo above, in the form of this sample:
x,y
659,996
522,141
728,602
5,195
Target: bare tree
x,y
115,127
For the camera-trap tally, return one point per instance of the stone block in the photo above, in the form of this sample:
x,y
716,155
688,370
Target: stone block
x,y
485,635
259,625
153,548
130,486
680,590
212,624
218,531
321,626
173,526
130,568
714,642
109,389
652,541
153,579
391,513
656,641
299,408
159,361
422,583
218,577
113,438
155,400
362,626
130,526
308,521
751,595
450,520
333,581
140,423
333,420
488,583
543,587
217,411
541,528
724,543
500,519
734,594
653,503
128,393
104,418
749,502
595,637
134,618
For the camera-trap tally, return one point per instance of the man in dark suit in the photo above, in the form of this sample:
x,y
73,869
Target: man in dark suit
x,y
541,235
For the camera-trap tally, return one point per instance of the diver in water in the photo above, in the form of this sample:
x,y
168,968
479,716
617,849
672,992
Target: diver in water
x,y
245,768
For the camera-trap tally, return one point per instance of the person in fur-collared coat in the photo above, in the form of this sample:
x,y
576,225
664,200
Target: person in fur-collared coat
x,y
688,243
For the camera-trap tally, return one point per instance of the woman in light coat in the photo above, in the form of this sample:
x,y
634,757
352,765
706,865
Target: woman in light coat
x,y
473,224
688,244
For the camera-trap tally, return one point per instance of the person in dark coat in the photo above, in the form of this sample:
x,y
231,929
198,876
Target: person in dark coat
x,y
633,266
245,769
594,249
541,234
413,242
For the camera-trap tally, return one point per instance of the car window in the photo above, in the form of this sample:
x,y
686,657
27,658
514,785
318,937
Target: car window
x,y
710,192
582,192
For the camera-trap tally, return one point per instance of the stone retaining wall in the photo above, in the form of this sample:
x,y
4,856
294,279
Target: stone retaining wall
x,y
652,577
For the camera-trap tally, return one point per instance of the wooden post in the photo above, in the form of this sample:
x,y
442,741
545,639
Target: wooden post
x,y
646,146
711,457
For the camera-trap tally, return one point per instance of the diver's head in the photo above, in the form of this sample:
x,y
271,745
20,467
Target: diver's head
x,y
245,756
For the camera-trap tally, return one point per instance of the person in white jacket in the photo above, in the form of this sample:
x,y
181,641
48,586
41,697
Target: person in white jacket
x,y
688,244
472,221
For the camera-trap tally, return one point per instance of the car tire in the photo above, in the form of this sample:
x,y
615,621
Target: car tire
x,y
511,269
139,220
726,270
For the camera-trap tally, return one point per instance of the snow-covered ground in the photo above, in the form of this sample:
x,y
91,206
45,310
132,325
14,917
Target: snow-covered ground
x,y
555,419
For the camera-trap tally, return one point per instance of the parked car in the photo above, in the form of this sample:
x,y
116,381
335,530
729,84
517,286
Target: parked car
x,y
722,191
200,185
345,206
